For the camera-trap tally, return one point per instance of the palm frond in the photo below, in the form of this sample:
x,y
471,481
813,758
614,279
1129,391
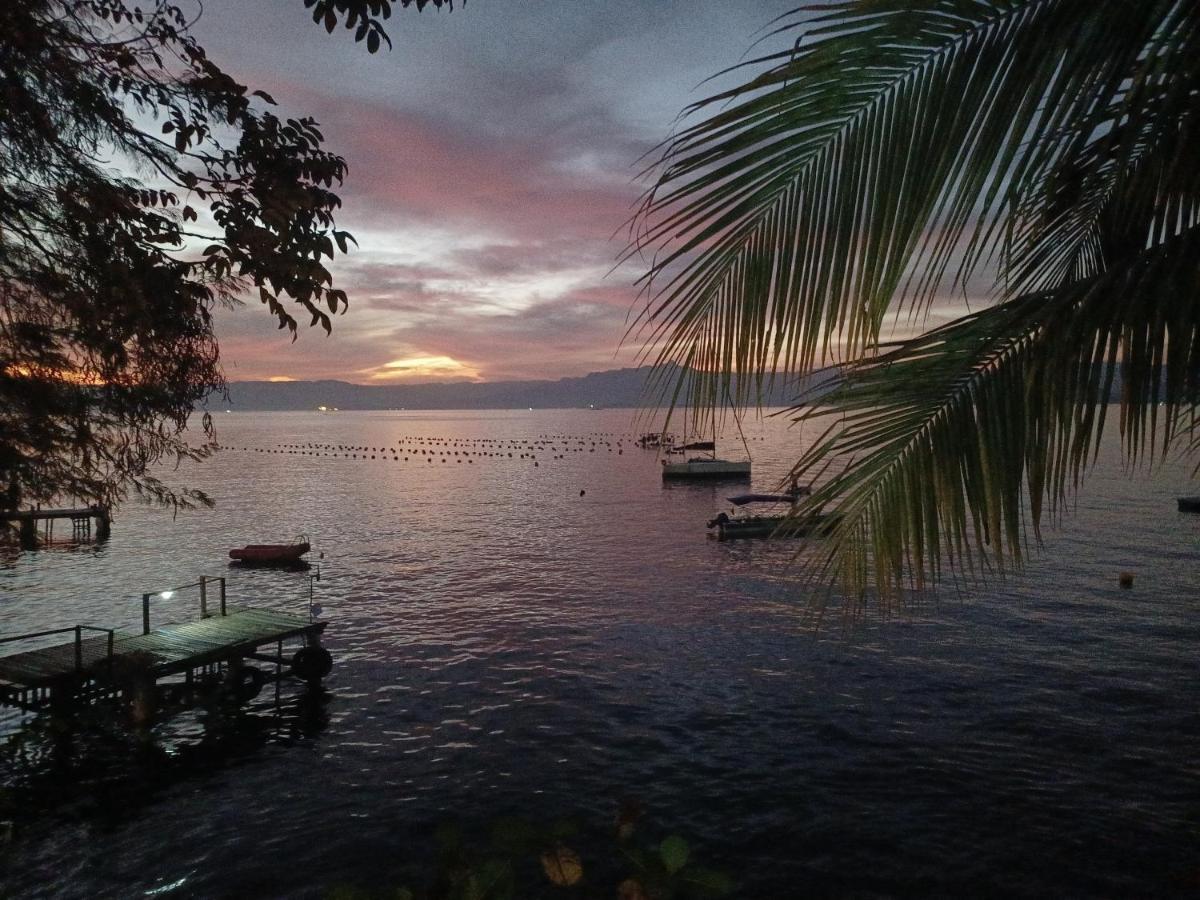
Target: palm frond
x,y
898,149
847,172
964,436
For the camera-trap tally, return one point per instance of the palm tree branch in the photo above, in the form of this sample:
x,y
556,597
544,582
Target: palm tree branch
x,y
853,166
963,436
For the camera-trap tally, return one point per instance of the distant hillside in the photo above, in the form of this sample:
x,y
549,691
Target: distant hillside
x,y
615,388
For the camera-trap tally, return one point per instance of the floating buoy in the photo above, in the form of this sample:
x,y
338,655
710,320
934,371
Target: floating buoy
x,y
1125,579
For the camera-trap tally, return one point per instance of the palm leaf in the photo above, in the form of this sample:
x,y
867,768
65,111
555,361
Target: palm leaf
x,y
961,437
896,150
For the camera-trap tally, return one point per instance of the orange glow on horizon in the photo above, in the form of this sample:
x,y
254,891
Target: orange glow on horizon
x,y
45,373
422,367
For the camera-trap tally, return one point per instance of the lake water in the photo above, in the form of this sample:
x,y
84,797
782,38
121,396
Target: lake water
x,y
544,636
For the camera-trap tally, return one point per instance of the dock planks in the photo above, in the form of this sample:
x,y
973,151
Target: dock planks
x,y
73,512
46,665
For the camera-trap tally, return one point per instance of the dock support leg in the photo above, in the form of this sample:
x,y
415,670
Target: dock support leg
x,y
143,701
103,523
232,679
28,534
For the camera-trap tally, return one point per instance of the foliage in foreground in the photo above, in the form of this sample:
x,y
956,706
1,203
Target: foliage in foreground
x,y
141,187
521,859
895,153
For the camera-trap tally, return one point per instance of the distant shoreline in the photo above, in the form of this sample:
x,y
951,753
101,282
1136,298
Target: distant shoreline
x,y
614,389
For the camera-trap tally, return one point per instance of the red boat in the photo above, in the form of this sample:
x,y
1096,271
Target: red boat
x,y
267,554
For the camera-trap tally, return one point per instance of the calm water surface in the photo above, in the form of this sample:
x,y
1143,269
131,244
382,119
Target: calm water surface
x,y
506,644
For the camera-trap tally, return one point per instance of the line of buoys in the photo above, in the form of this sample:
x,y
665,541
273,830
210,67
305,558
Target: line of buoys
x,y
430,447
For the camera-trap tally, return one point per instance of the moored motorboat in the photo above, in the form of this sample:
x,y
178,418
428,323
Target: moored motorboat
x,y
699,467
728,528
775,524
270,554
791,495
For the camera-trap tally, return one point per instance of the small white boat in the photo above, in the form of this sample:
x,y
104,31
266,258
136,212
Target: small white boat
x,y
705,467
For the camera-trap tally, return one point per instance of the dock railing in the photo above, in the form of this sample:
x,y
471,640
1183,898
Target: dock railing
x,y
78,630
203,584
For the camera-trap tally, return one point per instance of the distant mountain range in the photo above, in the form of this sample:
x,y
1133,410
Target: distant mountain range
x,y
622,388
616,388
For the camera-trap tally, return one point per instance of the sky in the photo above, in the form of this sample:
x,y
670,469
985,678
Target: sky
x,y
493,155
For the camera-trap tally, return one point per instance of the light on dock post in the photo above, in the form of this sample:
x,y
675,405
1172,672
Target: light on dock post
x,y
204,596
145,613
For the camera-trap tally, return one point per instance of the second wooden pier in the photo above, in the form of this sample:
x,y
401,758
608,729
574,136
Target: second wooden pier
x,y
80,518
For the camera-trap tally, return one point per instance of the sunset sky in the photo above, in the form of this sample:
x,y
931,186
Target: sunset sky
x,y
493,155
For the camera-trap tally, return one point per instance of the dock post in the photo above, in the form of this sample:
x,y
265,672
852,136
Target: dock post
x,y
145,613
103,523
204,596
78,648
222,580
143,700
29,538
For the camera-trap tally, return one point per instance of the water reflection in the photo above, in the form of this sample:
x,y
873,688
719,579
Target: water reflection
x,y
512,639
92,762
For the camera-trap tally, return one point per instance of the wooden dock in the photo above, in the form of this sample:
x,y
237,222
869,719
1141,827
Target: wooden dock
x,y
80,517
143,669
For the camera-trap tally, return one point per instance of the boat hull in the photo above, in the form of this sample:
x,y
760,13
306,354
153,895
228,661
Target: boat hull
x,y
771,527
270,554
1189,504
706,469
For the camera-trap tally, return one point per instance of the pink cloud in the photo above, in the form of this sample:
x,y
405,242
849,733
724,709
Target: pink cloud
x,y
518,212
409,166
